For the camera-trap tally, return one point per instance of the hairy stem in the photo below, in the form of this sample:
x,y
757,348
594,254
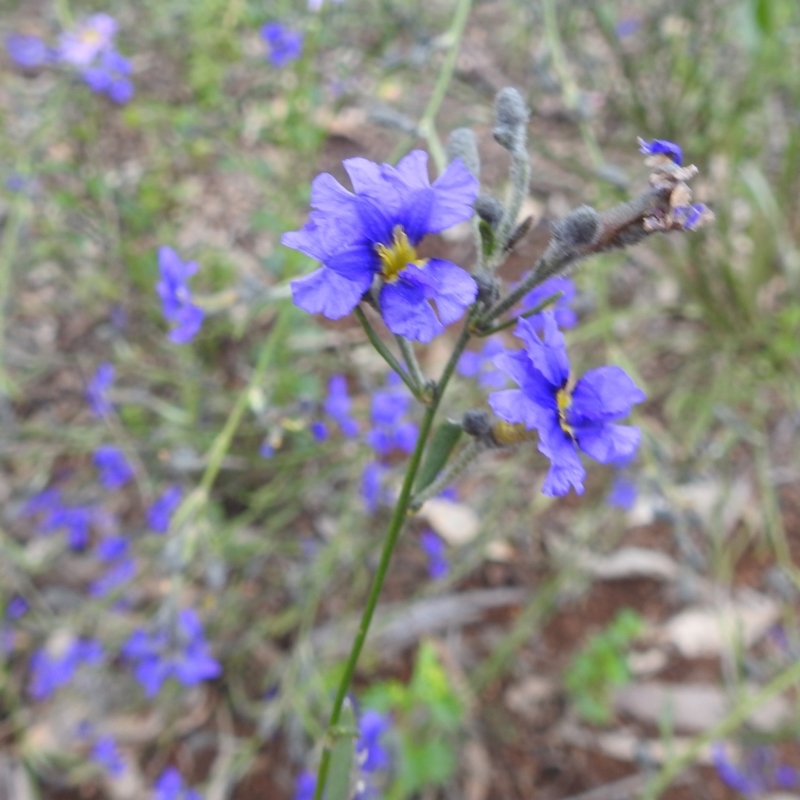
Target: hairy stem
x,y
529,313
410,357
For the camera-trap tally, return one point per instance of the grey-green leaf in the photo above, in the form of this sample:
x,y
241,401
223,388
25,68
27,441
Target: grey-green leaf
x,y
444,440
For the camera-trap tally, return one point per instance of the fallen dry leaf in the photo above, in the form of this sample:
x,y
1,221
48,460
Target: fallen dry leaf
x,y
631,562
456,523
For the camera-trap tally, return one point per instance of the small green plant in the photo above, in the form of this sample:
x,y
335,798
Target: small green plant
x,y
601,665
427,713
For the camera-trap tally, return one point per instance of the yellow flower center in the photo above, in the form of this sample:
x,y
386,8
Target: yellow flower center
x,y
394,259
90,36
564,401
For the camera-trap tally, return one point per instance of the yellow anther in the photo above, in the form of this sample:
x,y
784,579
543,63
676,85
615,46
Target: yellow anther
x,y
394,259
564,401
504,433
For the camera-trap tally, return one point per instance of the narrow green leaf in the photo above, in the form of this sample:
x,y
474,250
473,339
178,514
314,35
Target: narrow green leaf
x,y
487,238
343,757
444,439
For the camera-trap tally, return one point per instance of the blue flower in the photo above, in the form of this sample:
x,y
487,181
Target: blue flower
x,y
159,515
689,217
180,652
481,365
170,787
106,754
82,44
119,573
337,406
375,232
371,489
51,671
757,773
370,752
662,147
567,419
284,44
76,520
305,786
109,76
45,501
319,430
623,493
111,548
436,551
115,471
27,52
565,316
266,450
96,391
16,607
389,431
176,297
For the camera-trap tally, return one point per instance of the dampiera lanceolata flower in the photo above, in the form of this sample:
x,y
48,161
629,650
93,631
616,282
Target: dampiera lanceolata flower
x,y
565,316
661,147
176,297
390,430
375,232
17,607
757,773
178,651
337,406
370,752
109,76
372,485
87,40
97,390
284,44
304,786
27,52
51,670
115,471
106,754
170,787
117,575
436,551
76,520
623,493
567,418
159,515
480,365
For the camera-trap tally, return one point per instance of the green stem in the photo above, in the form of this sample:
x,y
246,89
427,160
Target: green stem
x,y
453,470
410,357
529,313
678,762
386,353
395,527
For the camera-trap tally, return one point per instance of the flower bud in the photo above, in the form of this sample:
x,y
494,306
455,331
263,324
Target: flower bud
x,y
489,209
462,144
476,423
510,110
578,227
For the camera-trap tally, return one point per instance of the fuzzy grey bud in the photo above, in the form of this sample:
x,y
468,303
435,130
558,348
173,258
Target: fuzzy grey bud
x,y
462,144
476,423
488,289
489,209
510,110
578,227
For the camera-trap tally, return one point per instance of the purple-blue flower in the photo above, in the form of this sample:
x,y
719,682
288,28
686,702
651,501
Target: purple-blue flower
x,y
266,450
114,469
370,752
284,44
436,551
567,419
375,232
178,651
50,671
76,520
109,76
170,787
662,147
111,548
159,515
371,488
565,316
87,40
106,754
304,786
623,493
480,365
176,297
319,430
337,406
757,772
16,607
97,390
689,216
118,574
26,51
389,429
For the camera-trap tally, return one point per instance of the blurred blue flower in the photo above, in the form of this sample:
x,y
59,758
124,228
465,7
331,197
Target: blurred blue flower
x,y
565,316
106,754
567,419
27,52
389,430
284,45
436,551
82,44
76,520
159,515
114,469
119,573
319,430
304,786
16,607
623,493
375,232
96,391
176,297
689,217
627,27
371,490
480,364
180,652
43,502
661,147
266,450
170,787
109,76
49,671
337,406
758,771
370,752
111,548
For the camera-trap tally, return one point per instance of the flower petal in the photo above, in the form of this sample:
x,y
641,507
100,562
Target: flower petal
x,y
331,198
455,289
604,394
565,465
549,354
513,406
407,313
607,443
518,367
326,292
455,189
